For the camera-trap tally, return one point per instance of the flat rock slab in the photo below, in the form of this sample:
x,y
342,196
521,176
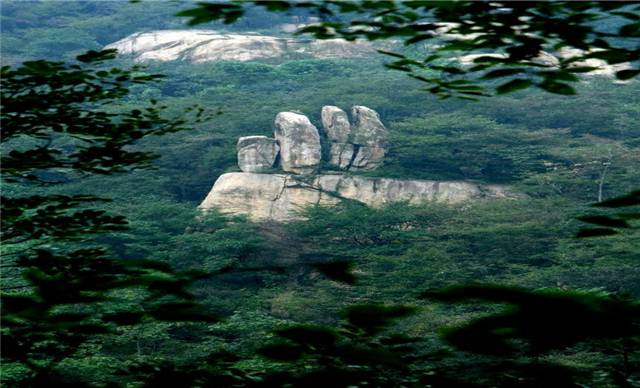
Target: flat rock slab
x,y
280,197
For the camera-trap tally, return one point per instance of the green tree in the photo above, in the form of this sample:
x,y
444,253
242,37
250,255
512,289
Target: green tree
x,y
521,44
61,290
351,354
509,47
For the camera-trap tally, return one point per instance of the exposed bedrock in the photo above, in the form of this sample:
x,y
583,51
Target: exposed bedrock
x,y
279,197
210,45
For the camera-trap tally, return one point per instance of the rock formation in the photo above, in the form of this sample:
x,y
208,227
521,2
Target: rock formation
x,y
337,130
280,197
299,143
351,146
370,138
360,146
599,67
209,45
336,124
257,153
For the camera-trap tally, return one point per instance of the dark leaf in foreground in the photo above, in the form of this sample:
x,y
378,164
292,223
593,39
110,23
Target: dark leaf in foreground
x,y
97,56
311,335
631,199
185,311
373,318
339,271
534,322
595,232
513,85
605,221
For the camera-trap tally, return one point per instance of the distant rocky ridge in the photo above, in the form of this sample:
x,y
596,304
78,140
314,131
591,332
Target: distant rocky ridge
x,y
209,45
299,149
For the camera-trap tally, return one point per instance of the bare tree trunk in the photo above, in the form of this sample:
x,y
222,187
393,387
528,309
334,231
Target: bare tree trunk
x,y
603,175
138,347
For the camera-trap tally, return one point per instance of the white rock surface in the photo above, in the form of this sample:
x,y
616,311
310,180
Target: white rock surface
x,y
601,67
299,141
279,197
257,153
370,137
336,124
357,146
341,155
368,158
367,128
210,45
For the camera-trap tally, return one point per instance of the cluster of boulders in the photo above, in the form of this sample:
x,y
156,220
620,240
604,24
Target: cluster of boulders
x,y
298,147
281,175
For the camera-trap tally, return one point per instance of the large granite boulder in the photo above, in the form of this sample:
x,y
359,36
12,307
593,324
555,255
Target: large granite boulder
x,y
280,197
336,124
367,129
367,158
361,146
257,153
341,155
299,141
337,130
370,137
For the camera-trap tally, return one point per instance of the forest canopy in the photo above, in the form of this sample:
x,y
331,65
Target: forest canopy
x,y
111,277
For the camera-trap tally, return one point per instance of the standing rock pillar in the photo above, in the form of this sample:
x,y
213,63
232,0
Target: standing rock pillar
x,y
338,131
299,143
358,146
370,138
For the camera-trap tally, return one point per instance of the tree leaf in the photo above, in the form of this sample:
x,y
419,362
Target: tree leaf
x,y
605,221
339,271
627,74
557,87
595,232
513,85
498,73
631,199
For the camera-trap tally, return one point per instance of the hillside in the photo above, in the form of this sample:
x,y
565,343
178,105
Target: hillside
x,y
559,153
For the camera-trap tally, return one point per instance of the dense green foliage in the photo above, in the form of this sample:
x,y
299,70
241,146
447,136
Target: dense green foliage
x,y
505,39
283,310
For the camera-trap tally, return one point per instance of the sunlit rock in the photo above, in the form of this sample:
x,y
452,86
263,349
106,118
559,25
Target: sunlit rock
x,y
367,128
341,155
257,153
281,197
367,158
337,130
210,45
336,124
370,137
299,141
357,146
599,67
